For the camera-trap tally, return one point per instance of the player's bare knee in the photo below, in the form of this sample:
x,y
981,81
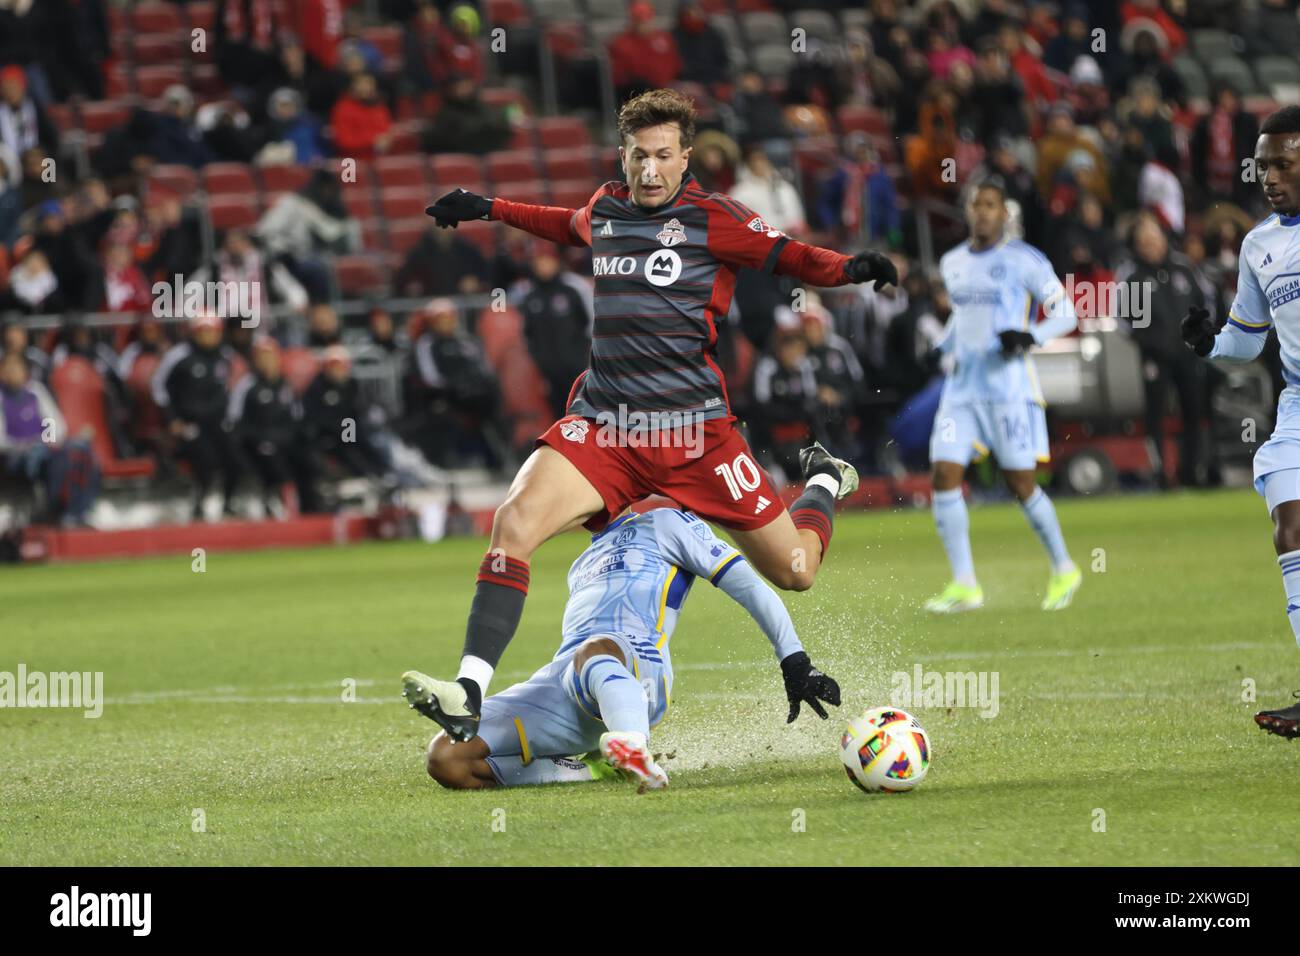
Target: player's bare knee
x,y
445,765
514,528
596,647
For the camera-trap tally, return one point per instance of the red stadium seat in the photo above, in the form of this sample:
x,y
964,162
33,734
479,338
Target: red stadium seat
x,y
359,200
360,274
449,170
62,116
407,138
405,233
79,391
158,48
406,171
146,416
504,347
523,135
205,81
568,163
403,203
485,235
512,166
299,366
528,190
562,132
200,13
154,17
373,238
181,180
151,81
864,119
232,211
233,178
284,179
104,115
572,193
119,81
504,96
507,12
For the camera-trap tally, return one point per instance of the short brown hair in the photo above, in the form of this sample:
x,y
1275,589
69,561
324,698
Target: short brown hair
x,y
656,107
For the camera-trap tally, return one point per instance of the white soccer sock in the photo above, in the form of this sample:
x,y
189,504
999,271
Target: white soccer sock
x,y
953,522
1041,515
1290,565
477,670
511,771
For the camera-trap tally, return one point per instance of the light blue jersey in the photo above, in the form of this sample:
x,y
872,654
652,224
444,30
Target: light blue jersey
x,y
992,291
636,574
1268,296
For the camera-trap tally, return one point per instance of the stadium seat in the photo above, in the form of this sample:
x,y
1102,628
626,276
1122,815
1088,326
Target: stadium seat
x,y
502,335
119,80
1211,44
527,190
299,366
200,14
773,60
154,17
562,132
1192,75
817,24
1234,70
509,166
374,238
572,193
505,96
146,416
181,180
360,201
231,211
151,81
403,203
505,13
229,178
405,233
408,171
485,235
453,169
607,10
602,31
79,391
205,81
101,116
1275,71
523,135
566,40
284,179
763,28
159,48
855,18
360,274
408,137
726,24
865,119
62,116
568,163
551,11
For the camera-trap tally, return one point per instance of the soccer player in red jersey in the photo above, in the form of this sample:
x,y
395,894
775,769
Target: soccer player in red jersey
x,y
651,413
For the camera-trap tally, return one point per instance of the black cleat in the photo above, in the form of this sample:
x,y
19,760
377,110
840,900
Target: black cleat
x,y
450,704
816,460
1284,722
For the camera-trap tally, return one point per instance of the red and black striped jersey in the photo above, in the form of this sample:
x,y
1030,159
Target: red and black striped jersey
x,y
664,276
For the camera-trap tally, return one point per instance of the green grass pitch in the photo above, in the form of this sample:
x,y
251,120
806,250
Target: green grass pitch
x,y
224,707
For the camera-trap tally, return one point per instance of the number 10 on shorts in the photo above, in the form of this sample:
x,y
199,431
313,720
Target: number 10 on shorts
x,y
742,475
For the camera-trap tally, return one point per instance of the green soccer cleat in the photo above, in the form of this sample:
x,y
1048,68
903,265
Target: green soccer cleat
x,y
956,598
1061,588
600,768
816,460
446,703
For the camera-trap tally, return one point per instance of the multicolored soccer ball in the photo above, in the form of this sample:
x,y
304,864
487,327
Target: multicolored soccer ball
x,y
885,750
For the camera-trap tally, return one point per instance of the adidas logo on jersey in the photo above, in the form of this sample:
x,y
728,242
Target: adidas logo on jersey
x,y
762,504
607,229
1267,259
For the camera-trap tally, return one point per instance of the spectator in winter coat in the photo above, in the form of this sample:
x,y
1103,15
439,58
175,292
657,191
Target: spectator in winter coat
x,y
360,122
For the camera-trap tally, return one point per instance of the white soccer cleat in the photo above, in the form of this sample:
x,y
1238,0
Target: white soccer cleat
x,y
814,460
629,751
444,702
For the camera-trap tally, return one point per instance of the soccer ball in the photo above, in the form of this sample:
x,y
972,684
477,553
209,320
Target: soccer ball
x,y
885,749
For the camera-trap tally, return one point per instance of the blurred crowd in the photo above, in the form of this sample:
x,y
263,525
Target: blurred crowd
x,y
1119,140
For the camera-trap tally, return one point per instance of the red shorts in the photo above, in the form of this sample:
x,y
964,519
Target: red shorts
x,y
715,475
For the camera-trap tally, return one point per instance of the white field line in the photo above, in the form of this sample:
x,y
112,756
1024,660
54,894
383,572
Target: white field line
x,y
229,694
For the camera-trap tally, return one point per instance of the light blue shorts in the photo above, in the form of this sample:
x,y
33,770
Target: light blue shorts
x,y
1277,463
548,715
1014,432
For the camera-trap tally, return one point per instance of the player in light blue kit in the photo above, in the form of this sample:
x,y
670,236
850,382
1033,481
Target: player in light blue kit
x,y
1268,296
611,681
991,401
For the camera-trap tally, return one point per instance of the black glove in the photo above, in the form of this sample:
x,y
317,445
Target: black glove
x,y
806,684
1199,330
1013,342
459,205
866,266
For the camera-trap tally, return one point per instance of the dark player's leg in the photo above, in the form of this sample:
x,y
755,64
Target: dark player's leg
x,y
1285,722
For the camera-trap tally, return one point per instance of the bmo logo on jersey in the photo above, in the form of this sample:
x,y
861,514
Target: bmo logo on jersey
x,y
613,265
663,268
